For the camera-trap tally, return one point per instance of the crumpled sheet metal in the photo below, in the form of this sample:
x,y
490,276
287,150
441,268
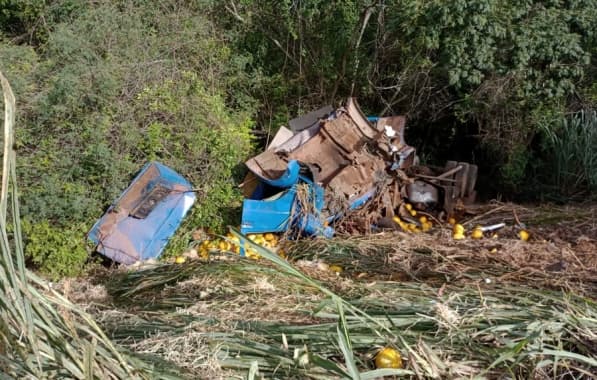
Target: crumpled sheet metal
x,y
327,147
140,222
345,154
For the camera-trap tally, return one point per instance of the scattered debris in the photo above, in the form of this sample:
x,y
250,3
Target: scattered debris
x,y
339,170
140,222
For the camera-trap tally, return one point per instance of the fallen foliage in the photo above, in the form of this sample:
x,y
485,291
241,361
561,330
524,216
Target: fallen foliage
x,y
452,309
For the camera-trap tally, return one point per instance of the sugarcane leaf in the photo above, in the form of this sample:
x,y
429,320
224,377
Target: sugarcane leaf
x,y
89,356
381,372
328,365
322,305
253,370
571,355
344,342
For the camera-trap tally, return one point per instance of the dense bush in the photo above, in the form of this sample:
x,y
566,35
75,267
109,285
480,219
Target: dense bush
x,y
105,86
487,72
57,251
113,86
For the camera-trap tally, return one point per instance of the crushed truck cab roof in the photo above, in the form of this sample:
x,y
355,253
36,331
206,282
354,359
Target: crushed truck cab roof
x,y
333,162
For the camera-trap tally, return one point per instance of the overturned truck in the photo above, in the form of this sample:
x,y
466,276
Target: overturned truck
x,y
337,170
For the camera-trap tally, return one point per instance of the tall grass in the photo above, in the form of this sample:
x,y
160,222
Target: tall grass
x,y
43,334
572,147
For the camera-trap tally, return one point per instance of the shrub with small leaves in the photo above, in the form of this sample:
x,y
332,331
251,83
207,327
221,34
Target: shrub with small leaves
x,y
56,251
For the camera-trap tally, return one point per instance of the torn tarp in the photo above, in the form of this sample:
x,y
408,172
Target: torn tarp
x,y
140,222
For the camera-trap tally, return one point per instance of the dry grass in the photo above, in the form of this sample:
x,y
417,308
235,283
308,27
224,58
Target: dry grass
x,y
562,252
454,308
172,320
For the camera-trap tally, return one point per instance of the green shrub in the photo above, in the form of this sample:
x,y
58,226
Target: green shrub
x,y
491,65
193,130
117,84
18,16
514,168
56,251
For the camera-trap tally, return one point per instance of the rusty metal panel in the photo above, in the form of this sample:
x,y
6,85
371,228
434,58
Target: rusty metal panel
x,y
267,165
323,156
358,178
360,120
344,133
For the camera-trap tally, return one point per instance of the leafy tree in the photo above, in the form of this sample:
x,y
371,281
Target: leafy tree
x,y
491,69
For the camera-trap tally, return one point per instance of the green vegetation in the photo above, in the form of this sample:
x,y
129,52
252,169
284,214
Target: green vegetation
x,y
105,86
111,87
572,154
56,251
43,334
